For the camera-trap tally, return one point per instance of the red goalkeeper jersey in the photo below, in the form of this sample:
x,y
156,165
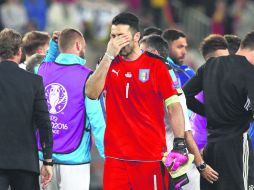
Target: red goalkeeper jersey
x,y
135,95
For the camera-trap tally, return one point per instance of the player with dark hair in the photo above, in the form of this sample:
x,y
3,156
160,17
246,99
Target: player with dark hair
x,y
177,43
152,30
214,45
137,84
154,42
233,43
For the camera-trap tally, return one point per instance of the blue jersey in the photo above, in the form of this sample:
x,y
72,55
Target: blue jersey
x,y
184,72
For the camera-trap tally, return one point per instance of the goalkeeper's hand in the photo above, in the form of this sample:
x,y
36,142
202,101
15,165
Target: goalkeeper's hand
x,y
178,162
178,156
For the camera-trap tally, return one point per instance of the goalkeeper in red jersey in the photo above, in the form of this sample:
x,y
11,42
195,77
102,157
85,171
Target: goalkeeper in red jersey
x,y
137,85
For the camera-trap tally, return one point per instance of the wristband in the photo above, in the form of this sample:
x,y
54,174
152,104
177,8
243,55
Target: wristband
x,y
45,163
110,56
179,145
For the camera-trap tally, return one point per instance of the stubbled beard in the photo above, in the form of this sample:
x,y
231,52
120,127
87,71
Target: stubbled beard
x,y
125,53
176,61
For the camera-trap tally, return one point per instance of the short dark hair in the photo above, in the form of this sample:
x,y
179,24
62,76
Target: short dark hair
x,y
233,43
10,43
33,40
212,43
171,35
152,30
128,19
156,42
248,41
67,38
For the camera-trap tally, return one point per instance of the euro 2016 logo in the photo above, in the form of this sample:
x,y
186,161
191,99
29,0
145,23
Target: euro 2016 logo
x,y
57,97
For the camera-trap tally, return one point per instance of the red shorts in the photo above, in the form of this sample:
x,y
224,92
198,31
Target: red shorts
x,y
130,175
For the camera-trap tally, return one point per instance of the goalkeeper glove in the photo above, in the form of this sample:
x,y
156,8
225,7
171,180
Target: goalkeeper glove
x,y
178,161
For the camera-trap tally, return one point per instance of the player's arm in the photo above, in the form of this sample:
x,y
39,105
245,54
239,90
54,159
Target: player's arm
x,y
96,81
95,113
191,144
191,89
176,116
177,160
179,149
167,82
53,50
172,103
42,121
207,172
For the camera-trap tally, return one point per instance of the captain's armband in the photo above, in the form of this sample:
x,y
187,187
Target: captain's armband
x,y
171,100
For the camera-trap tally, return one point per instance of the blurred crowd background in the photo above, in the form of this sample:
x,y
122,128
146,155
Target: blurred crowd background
x,y
197,18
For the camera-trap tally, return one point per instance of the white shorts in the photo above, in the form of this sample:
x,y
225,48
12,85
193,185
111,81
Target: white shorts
x,y
70,177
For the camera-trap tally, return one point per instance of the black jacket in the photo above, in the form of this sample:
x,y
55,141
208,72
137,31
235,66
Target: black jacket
x,y
228,85
22,107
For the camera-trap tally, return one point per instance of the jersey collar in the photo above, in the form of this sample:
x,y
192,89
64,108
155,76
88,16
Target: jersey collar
x,y
69,59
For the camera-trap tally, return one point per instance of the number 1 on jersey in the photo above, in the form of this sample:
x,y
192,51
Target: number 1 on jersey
x,y
127,90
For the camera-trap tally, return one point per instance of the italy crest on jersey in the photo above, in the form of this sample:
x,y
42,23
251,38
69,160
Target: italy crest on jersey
x,y
144,75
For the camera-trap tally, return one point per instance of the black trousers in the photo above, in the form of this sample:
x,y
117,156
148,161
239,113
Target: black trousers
x,y
227,158
19,180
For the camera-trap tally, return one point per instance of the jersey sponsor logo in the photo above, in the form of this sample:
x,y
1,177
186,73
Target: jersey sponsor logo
x,y
57,97
116,72
144,75
128,75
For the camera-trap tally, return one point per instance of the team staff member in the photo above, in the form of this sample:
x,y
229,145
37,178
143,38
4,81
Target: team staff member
x,y
22,104
137,85
227,83
74,117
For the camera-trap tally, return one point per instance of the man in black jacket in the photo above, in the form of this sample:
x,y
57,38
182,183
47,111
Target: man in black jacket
x,y
22,107
228,85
